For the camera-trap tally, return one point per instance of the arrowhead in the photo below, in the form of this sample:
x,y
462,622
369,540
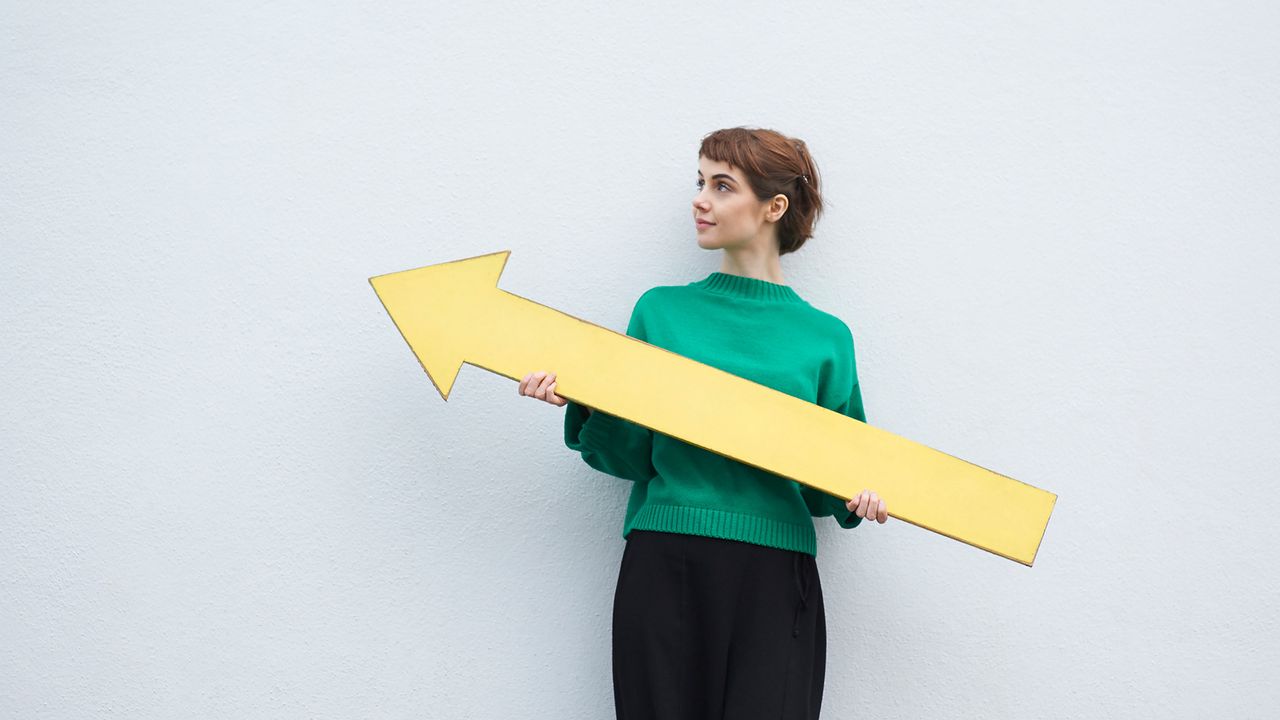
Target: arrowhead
x,y
439,310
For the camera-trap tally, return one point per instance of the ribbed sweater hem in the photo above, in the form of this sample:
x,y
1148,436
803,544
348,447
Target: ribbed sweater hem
x,y
725,525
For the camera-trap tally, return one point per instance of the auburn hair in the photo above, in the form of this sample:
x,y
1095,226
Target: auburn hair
x,y
774,164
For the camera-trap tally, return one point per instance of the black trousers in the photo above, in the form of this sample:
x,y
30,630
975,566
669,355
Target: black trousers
x,y
707,628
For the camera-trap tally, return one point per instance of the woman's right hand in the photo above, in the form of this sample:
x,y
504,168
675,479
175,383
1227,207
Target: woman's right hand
x,y
542,385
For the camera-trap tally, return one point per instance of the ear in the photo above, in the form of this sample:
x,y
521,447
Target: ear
x,y
777,208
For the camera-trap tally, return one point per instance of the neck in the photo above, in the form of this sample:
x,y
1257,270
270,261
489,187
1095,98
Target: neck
x,y
753,263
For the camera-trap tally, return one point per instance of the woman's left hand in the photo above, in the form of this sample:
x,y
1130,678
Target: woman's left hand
x,y
867,504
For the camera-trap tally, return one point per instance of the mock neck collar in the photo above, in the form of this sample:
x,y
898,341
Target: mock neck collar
x,y
746,287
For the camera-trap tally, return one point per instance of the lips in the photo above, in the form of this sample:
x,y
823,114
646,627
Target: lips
x,y
704,223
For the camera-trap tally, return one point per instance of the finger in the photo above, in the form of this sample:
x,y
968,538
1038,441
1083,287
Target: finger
x,y
883,513
862,504
551,391
531,383
542,387
873,506
524,384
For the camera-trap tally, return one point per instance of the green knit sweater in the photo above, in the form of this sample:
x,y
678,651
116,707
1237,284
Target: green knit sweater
x,y
759,330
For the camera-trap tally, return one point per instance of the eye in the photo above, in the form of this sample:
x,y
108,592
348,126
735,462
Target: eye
x,y
720,184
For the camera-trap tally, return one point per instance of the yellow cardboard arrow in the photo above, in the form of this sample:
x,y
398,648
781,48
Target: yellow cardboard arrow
x,y
453,313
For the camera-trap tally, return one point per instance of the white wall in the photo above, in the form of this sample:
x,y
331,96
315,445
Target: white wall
x,y
230,491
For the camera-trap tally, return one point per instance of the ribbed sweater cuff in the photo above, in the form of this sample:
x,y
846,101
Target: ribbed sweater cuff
x,y
600,427
591,430
844,518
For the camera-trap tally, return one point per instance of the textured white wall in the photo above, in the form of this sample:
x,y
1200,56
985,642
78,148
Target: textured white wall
x,y
230,491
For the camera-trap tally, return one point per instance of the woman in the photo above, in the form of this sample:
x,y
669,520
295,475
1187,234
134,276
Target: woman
x,y
718,610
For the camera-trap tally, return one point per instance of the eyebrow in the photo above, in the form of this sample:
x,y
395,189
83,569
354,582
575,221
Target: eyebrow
x,y
719,175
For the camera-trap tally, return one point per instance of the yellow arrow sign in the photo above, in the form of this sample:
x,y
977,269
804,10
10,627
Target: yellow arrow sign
x,y
453,313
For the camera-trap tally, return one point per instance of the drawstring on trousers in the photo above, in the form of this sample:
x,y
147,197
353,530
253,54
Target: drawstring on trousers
x,y
804,594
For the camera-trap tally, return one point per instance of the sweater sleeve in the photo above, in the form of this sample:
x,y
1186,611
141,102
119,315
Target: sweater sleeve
x,y
607,442
839,390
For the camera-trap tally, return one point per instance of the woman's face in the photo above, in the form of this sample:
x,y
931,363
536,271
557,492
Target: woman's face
x,y
732,214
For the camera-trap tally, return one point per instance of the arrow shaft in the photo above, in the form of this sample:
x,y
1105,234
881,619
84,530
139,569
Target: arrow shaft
x,y
783,434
